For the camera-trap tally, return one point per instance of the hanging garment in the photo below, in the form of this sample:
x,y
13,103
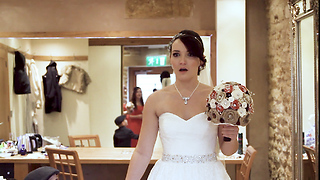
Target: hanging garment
x,y
75,78
21,81
34,100
52,90
35,82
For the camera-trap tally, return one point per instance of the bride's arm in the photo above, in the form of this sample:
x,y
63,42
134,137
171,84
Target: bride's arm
x,y
148,134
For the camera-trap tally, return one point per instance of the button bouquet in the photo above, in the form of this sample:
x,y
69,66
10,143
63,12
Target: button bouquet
x,y
230,103
130,107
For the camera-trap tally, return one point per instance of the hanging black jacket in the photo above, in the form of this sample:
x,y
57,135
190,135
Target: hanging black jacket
x,y
52,90
21,83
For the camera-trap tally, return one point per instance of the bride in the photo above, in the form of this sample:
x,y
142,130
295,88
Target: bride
x,y
178,113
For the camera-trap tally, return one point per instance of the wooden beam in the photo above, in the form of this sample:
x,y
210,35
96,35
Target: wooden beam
x,y
8,48
98,34
12,50
213,59
127,41
60,58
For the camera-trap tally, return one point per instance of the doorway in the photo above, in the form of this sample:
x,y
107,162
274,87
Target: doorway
x,y
136,65
150,83
147,78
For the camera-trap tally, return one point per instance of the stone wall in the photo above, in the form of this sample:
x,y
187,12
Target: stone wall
x,y
280,124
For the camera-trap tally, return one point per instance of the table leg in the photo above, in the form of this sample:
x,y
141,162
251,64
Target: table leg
x,y
238,166
20,170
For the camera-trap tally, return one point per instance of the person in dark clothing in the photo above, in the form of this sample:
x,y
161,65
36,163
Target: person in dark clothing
x,y
123,135
52,90
21,80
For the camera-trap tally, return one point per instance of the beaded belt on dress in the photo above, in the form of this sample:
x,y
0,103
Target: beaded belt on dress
x,y
189,159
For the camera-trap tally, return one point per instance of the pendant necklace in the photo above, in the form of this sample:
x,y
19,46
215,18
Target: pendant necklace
x,y
186,98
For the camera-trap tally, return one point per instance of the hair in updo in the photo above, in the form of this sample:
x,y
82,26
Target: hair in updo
x,y
193,43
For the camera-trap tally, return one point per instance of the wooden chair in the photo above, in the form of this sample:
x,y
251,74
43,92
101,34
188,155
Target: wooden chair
x,y
84,141
311,158
67,162
246,164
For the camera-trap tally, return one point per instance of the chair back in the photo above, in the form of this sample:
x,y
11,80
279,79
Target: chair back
x,y
84,141
67,162
247,163
311,157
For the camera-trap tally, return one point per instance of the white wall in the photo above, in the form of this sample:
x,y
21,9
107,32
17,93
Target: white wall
x,y
74,117
105,91
205,75
231,41
308,79
231,58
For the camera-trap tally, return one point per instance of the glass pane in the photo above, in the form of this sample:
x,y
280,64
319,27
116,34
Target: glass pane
x,y
308,80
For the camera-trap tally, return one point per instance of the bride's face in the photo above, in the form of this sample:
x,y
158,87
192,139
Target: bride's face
x,y
184,63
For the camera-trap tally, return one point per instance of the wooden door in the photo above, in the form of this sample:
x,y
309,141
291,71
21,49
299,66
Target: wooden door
x,y
4,96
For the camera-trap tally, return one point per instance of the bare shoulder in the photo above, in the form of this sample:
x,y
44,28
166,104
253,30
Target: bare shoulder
x,y
159,95
205,89
158,101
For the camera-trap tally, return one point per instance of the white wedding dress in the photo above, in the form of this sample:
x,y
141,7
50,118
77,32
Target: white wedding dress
x,y
188,150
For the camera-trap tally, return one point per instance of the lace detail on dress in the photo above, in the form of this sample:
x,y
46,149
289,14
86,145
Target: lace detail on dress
x,y
189,159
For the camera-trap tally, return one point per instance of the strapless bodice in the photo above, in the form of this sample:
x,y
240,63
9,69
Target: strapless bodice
x,y
188,149
195,136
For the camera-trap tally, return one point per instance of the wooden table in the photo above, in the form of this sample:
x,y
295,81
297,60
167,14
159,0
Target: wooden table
x,y
24,164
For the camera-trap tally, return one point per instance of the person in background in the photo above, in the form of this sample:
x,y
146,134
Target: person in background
x,y
177,111
165,79
135,117
123,135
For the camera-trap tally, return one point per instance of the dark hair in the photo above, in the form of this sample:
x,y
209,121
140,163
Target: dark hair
x,y
119,119
134,97
193,43
164,74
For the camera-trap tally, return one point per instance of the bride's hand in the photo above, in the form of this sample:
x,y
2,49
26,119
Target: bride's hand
x,y
229,131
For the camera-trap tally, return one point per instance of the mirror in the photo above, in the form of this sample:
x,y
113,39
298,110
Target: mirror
x,y
105,105
305,80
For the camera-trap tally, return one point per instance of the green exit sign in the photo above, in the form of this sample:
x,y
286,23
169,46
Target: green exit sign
x,y
156,60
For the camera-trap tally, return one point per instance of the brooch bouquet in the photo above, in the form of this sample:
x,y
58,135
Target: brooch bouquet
x,y
230,103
